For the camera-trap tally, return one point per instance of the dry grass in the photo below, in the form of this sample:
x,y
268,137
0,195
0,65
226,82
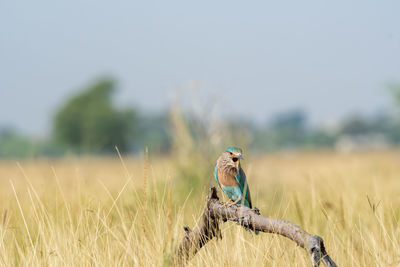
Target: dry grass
x,y
108,212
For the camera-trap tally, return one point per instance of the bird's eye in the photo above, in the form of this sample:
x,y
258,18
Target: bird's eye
x,y
230,153
235,159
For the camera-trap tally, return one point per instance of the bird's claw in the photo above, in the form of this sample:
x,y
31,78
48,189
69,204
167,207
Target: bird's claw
x,y
228,203
234,202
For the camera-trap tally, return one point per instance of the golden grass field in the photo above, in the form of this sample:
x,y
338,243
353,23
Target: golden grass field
x,y
126,212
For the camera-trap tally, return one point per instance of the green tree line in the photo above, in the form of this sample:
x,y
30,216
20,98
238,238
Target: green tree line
x,y
90,122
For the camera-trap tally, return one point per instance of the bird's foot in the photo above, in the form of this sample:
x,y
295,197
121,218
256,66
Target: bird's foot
x,y
234,202
227,204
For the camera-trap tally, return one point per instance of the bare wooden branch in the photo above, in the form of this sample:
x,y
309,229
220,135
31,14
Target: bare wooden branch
x,y
215,211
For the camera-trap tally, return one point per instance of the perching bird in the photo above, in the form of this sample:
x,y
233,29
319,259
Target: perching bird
x,y
231,177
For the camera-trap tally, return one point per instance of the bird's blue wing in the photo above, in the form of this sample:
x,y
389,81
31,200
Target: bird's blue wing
x,y
241,179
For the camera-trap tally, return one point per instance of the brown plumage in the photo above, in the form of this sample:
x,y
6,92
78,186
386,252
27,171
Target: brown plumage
x,y
227,170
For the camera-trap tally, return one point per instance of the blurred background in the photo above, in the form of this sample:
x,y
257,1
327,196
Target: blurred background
x,y
309,89
81,77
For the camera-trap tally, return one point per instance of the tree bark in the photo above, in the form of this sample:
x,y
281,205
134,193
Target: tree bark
x,y
215,211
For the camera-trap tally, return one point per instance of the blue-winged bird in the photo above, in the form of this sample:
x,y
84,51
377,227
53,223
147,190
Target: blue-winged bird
x,y
231,177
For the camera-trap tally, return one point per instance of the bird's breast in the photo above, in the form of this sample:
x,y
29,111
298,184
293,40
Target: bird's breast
x,y
226,178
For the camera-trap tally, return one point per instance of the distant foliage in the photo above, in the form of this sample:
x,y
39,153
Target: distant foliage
x,y
14,145
154,131
395,89
89,121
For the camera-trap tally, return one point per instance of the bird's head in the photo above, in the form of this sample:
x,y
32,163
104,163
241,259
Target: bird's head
x,y
235,155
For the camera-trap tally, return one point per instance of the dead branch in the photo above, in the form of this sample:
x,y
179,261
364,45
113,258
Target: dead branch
x,y
215,211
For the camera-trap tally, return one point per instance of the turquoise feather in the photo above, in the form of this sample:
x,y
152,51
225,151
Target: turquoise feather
x,y
241,179
233,149
216,174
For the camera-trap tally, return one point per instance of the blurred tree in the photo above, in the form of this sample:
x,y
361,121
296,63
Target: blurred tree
x,y
154,132
291,120
387,125
89,122
286,130
356,125
394,87
13,145
382,124
395,90
320,138
16,145
289,128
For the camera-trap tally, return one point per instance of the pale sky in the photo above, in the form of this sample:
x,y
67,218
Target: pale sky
x,y
251,58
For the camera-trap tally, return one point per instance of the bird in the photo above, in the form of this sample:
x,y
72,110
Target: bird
x,y
231,178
